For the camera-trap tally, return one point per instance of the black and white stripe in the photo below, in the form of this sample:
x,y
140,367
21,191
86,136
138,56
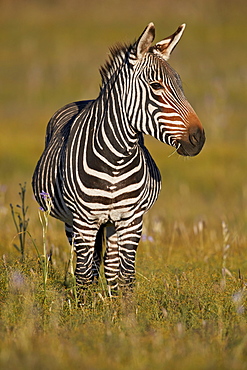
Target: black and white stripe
x,y
95,166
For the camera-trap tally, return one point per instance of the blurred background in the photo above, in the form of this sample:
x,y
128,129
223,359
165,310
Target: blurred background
x,y
51,52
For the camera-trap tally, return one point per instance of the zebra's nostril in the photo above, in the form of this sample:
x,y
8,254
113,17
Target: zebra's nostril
x,y
195,136
194,139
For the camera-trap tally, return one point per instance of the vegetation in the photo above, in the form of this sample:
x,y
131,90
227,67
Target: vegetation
x,y
188,309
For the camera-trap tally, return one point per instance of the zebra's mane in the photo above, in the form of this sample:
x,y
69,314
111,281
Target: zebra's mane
x,y
119,55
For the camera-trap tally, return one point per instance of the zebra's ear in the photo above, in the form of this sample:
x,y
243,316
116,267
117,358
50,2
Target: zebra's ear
x,y
145,40
167,45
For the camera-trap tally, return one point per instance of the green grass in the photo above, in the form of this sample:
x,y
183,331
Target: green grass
x,y
188,309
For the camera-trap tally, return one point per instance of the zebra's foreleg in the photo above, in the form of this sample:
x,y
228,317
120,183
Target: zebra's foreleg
x,y
128,239
84,243
97,256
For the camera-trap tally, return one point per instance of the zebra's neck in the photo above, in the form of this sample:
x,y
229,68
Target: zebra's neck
x,y
113,132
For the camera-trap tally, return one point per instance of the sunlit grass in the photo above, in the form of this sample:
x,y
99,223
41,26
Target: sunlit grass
x,y
180,312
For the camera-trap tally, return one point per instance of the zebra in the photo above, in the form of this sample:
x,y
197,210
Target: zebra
x,y
95,168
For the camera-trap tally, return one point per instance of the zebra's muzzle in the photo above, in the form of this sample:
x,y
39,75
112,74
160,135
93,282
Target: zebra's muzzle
x,y
192,144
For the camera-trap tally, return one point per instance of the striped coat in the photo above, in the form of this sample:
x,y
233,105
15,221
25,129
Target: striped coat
x,y
95,167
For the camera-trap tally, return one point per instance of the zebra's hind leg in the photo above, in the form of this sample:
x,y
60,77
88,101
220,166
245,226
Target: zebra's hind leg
x,y
69,233
69,280
97,256
111,260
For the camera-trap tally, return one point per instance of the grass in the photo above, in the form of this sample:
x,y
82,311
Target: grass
x,y
182,313
188,309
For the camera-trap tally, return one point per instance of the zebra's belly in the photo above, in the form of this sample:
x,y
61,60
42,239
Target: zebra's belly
x,y
113,204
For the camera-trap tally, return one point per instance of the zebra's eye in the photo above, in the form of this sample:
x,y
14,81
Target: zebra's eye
x,y
156,85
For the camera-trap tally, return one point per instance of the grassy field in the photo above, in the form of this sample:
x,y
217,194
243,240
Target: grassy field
x,y
188,309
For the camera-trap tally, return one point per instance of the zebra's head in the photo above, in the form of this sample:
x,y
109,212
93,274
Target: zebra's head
x,y
158,106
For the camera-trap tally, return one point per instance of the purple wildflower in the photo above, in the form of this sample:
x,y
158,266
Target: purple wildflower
x,y
147,238
17,281
44,195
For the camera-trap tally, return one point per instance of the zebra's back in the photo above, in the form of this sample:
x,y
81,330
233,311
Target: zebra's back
x,y
48,174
